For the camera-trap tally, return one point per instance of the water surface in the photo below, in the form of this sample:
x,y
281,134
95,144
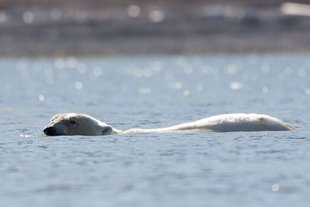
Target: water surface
x,y
214,169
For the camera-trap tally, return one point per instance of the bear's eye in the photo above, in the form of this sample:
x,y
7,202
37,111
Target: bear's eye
x,y
73,122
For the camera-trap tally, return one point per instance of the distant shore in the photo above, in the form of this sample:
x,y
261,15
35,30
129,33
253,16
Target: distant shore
x,y
41,31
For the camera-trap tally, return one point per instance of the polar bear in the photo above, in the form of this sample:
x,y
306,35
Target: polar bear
x,y
82,124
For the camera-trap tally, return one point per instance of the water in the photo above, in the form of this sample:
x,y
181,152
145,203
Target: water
x,y
214,169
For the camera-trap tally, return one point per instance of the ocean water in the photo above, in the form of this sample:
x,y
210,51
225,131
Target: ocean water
x,y
212,169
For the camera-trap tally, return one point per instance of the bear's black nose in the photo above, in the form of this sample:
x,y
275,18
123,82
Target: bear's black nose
x,y
50,131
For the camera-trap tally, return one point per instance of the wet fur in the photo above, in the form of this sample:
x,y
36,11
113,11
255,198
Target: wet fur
x,y
82,124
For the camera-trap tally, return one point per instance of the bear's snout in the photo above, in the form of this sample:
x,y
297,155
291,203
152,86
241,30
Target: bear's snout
x,y
50,131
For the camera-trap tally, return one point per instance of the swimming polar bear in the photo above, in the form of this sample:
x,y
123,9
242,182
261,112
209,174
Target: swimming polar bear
x,y
82,124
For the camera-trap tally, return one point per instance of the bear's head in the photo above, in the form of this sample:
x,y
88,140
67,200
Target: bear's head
x,y
76,124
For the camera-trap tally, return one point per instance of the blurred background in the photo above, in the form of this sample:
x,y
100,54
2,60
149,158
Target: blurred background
x,y
108,27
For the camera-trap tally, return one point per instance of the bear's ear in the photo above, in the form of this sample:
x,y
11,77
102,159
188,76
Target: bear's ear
x,y
106,130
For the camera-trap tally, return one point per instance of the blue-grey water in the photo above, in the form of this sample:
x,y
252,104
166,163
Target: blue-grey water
x,y
213,169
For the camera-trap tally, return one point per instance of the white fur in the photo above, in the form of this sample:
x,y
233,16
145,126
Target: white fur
x,y
88,125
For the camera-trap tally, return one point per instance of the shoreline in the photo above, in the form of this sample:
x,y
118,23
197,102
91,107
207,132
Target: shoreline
x,y
40,31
